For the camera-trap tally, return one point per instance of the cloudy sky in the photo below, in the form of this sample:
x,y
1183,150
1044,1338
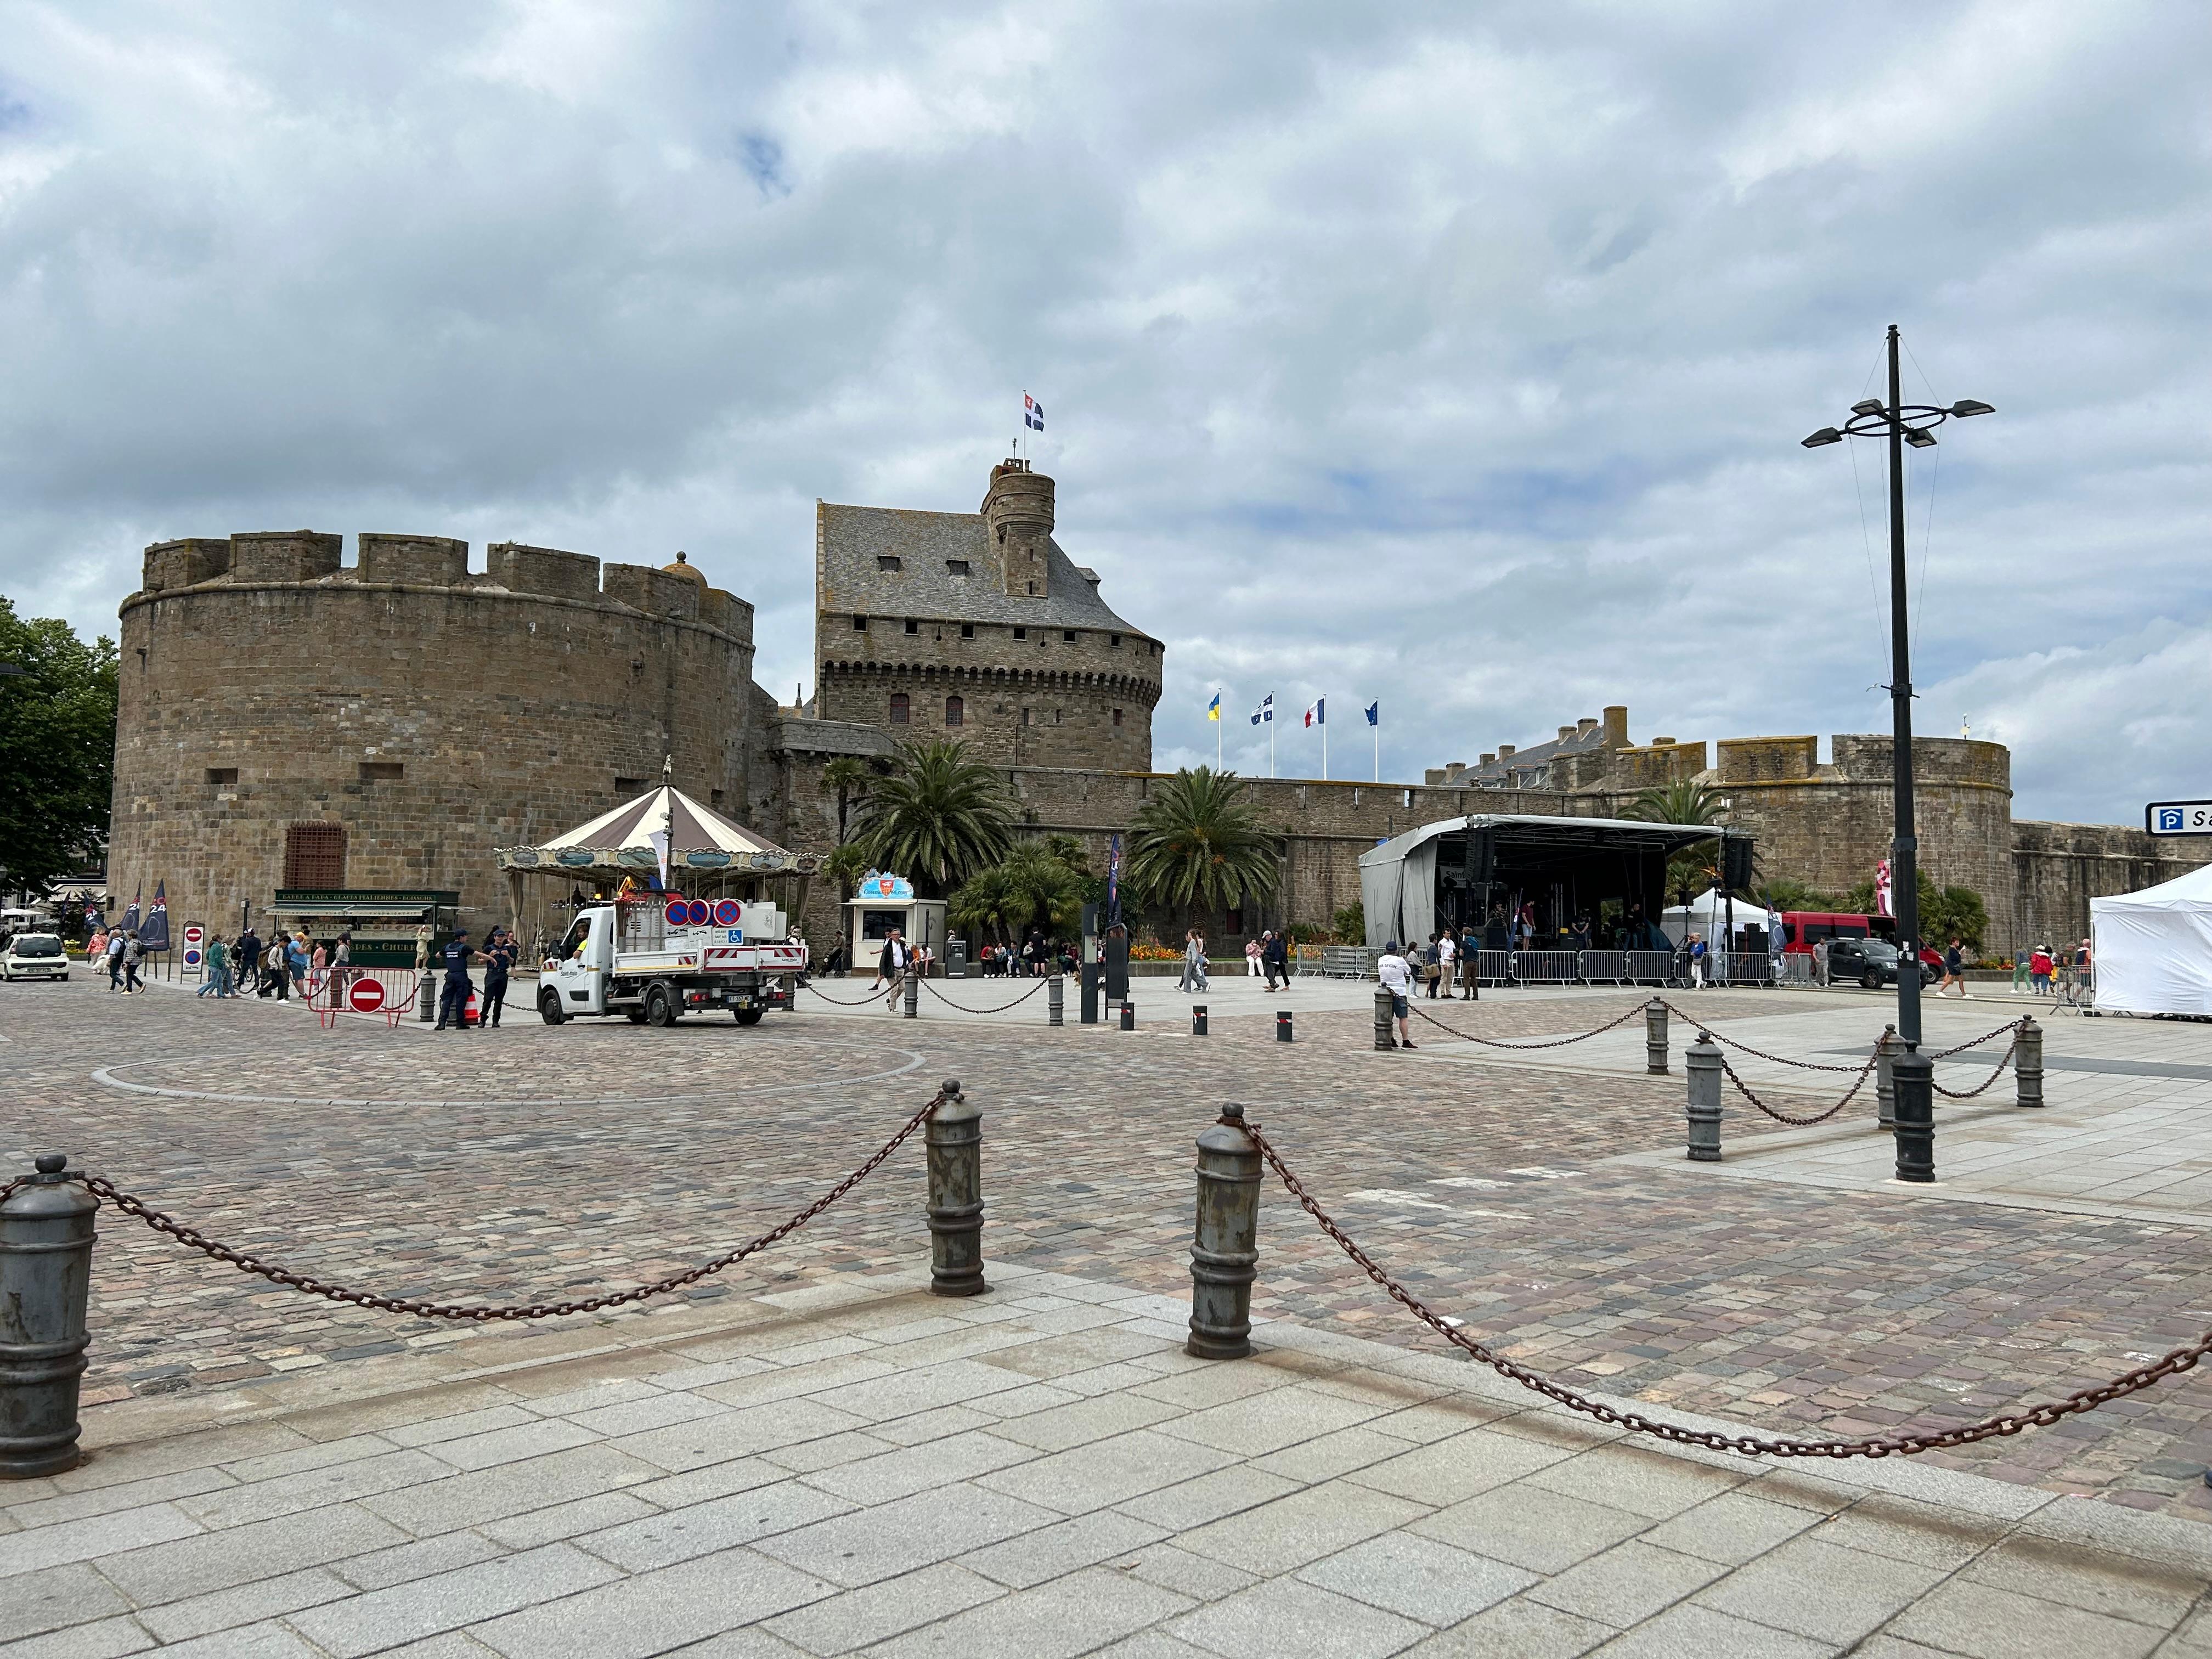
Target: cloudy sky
x,y
1452,355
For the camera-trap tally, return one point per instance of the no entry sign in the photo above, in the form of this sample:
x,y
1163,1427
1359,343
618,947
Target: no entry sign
x,y
365,996
193,935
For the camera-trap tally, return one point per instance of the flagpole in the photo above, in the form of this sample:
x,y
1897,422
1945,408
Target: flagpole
x,y
1271,743
1324,742
1217,733
1378,745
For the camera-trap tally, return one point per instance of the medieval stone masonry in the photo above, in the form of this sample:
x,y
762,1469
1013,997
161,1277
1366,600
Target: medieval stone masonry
x,y
290,719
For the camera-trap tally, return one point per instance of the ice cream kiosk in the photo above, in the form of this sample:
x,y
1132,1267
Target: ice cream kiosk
x,y
885,902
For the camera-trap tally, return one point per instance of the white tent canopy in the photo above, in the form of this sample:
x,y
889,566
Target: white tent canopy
x,y
697,838
2154,948
1708,915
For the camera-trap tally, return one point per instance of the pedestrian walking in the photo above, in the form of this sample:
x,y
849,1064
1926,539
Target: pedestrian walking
x,y
1954,969
1697,951
295,962
218,970
1470,942
2039,970
1446,961
1432,965
892,967
1820,961
453,999
1194,963
1396,975
134,954
499,954
117,945
1275,953
341,968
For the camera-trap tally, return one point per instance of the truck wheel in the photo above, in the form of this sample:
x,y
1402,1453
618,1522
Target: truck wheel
x,y
659,1006
636,1016
749,1016
549,1008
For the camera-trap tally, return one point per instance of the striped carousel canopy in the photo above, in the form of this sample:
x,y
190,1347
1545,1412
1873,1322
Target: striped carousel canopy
x,y
699,838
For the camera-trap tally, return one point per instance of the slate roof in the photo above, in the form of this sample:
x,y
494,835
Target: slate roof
x,y
853,539
1536,756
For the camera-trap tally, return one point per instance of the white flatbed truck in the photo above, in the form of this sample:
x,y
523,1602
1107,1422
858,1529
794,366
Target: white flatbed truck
x,y
657,956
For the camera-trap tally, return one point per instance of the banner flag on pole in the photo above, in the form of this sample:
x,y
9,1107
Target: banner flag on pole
x,y
1375,713
1032,413
1316,715
1214,708
130,913
1113,880
155,936
1375,720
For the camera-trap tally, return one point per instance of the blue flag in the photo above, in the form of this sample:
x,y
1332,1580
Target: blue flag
x,y
155,935
1374,712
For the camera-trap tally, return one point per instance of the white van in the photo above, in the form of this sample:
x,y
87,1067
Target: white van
x,y
34,955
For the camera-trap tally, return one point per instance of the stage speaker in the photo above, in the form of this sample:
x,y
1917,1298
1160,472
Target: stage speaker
x,y
1735,864
1479,852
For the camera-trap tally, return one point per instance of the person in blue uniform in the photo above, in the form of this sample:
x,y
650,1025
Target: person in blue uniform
x,y
453,1002
499,953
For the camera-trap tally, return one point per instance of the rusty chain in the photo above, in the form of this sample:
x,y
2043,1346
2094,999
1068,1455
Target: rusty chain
x,y
1493,1042
873,996
2009,1025
1744,1089
1000,1009
1706,1031
2041,1414
98,1187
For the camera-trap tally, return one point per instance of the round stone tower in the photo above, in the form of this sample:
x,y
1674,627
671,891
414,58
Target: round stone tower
x,y
290,721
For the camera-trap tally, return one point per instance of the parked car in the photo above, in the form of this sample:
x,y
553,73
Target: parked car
x,y
1871,962
34,955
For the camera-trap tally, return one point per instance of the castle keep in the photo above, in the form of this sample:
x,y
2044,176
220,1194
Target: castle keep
x,y
289,720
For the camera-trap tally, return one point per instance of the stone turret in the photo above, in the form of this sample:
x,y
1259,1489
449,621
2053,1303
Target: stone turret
x,y
1018,517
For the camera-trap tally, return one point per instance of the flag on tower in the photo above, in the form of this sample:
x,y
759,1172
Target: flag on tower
x,y
1375,713
1214,708
1315,715
1032,413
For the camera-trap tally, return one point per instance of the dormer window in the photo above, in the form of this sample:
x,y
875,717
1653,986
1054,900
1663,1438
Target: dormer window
x,y
890,561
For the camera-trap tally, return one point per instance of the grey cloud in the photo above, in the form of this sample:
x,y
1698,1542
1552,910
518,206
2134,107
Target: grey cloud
x,y
1454,359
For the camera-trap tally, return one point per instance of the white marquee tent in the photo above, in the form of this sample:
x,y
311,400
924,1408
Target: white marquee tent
x,y
2154,948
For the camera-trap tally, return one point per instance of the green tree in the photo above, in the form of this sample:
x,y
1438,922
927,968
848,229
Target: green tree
x,y
1684,801
1351,922
1788,893
56,749
1031,887
937,818
1198,844
842,870
1943,911
848,778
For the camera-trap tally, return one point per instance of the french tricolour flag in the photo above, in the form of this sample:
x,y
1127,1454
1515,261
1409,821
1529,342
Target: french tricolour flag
x,y
1316,715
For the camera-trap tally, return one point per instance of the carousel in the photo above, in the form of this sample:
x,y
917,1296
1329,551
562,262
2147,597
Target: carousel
x,y
664,841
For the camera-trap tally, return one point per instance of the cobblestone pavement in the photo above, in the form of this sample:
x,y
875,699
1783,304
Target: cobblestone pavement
x,y
1035,1474
529,1163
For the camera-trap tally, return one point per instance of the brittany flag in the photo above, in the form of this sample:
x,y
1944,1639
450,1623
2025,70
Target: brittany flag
x,y
1266,711
1032,413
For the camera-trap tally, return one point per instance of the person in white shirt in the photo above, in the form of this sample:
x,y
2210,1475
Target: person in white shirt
x,y
1397,977
892,966
1447,954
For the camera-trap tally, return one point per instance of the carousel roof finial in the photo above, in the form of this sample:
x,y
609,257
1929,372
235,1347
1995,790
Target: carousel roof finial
x,y
667,768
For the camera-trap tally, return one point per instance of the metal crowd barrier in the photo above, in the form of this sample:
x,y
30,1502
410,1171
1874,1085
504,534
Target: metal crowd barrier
x,y
1650,967
1493,967
1607,966
1746,967
1547,967
1797,969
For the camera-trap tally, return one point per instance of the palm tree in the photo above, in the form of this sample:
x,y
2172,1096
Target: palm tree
x,y
1683,801
1031,886
1198,844
939,818
851,777
842,870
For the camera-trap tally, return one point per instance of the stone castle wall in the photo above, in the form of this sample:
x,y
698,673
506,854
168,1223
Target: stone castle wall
x,y
431,713
2059,867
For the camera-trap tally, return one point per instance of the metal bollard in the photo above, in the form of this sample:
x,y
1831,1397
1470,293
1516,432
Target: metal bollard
x,y
954,1136
1913,1075
1382,1007
1703,1062
1282,1025
1224,1255
1198,1019
46,1280
1655,1037
913,994
426,999
2027,1063
1885,1085
1056,1002
1128,1015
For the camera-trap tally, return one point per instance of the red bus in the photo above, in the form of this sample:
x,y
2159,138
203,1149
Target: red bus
x,y
1802,929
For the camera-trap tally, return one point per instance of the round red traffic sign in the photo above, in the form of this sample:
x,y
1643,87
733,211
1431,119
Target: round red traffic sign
x,y
366,996
193,935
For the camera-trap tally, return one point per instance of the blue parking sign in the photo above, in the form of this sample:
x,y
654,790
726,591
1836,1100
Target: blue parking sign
x,y
2179,817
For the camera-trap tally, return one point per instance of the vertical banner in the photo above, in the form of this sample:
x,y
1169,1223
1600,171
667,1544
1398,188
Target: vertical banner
x,y
1881,893
1114,881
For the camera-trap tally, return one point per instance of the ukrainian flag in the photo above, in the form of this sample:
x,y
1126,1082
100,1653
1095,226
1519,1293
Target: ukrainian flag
x,y
1214,708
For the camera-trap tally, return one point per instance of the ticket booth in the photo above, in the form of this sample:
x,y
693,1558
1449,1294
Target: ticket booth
x,y
885,902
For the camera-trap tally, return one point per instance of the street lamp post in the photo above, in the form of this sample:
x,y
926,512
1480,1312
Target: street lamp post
x,y
1903,423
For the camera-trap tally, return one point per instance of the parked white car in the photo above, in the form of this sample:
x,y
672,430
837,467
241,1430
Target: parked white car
x,y
34,955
